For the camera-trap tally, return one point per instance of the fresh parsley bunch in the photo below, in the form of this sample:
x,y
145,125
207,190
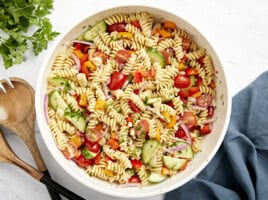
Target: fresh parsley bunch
x,y
18,18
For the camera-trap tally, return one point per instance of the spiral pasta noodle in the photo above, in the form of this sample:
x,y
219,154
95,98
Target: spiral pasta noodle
x,y
144,94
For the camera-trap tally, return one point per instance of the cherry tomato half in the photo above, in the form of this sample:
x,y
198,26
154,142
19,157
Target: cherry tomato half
x,y
97,159
180,133
191,71
142,128
193,90
119,27
93,135
101,55
136,164
122,56
95,147
137,77
181,81
189,119
136,24
82,162
204,100
134,179
206,129
117,80
184,94
133,106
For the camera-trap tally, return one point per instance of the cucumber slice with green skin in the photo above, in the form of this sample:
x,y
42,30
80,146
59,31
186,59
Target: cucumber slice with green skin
x,y
156,178
149,150
186,153
58,81
153,162
167,99
156,56
100,27
88,154
77,120
149,100
56,101
174,163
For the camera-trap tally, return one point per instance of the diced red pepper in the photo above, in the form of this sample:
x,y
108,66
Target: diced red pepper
x,y
137,77
206,129
133,106
136,24
136,164
134,179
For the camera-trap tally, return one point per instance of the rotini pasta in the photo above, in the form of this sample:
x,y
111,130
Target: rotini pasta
x,y
143,93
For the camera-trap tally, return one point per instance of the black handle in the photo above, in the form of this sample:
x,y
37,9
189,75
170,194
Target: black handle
x,y
52,193
58,188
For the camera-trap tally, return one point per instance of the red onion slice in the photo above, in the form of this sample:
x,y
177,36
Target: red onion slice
x,y
209,120
180,147
199,108
77,62
83,42
45,108
187,132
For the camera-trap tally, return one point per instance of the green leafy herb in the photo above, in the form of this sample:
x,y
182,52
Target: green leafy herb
x,y
17,19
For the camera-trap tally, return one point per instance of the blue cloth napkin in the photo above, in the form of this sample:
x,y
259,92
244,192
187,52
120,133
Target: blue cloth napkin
x,y
239,169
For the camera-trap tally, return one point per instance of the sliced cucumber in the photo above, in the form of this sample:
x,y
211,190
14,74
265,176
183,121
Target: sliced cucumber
x,y
56,101
88,154
156,56
167,98
58,81
186,153
174,163
100,27
156,178
77,120
149,150
150,100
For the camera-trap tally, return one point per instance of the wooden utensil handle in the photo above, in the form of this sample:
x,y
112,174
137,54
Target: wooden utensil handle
x,y
58,188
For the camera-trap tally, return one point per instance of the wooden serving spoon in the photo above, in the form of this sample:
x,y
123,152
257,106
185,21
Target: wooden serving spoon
x,y
8,156
17,105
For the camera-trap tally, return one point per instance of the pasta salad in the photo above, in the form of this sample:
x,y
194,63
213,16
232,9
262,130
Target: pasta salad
x,y
131,99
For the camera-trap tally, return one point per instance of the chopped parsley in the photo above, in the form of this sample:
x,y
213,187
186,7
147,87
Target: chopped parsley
x,y
17,19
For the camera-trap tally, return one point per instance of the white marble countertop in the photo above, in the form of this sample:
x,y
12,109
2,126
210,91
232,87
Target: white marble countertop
x,y
238,30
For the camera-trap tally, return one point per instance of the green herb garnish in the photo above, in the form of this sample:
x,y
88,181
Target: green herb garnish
x,y
17,19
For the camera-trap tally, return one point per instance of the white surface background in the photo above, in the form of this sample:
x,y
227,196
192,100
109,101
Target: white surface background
x,y
238,30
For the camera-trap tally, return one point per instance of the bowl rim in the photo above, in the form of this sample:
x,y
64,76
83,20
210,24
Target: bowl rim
x,y
41,122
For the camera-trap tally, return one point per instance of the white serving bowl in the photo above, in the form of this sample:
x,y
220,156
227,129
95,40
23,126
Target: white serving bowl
x,y
210,144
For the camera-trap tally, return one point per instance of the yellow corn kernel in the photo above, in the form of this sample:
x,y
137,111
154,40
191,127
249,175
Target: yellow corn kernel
x,y
78,53
109,173
121,35
100,105
157,137
172,122
92,67
181,66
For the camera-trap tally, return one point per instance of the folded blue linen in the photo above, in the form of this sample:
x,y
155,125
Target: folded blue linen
x,y
239,169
